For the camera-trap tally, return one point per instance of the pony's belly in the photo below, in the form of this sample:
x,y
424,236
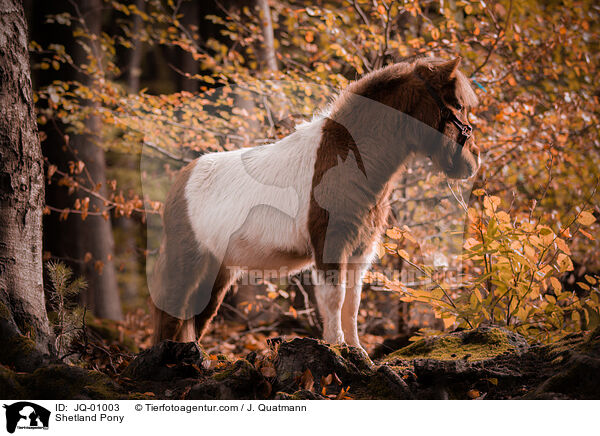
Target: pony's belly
x,y
268,264
264,242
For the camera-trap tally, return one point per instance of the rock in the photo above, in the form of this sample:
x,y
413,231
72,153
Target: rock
x,y
349,364
241,381
473,345
578,375
300,354
388,385
166,361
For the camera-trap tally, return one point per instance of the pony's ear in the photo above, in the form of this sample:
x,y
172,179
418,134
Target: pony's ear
x,y
447,69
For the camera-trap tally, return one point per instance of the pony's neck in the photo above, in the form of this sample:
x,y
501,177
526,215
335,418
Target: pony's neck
x,y
371,138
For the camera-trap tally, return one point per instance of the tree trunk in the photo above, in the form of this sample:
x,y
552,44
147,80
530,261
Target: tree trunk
x,y
94,235
266,50
22,304
187,63
137,52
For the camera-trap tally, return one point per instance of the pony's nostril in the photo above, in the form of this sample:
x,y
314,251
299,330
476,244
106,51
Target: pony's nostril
x,y
474,149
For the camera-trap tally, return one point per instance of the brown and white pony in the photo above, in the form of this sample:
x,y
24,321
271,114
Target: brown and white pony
x,y
316,199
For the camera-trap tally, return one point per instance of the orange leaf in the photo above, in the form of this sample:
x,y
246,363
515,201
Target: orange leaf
x,y
473,393
307,380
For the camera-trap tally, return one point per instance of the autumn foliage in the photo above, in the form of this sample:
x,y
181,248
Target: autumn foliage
x,y
528,231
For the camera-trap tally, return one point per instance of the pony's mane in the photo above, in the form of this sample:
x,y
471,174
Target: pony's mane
x,y
464,90
378,83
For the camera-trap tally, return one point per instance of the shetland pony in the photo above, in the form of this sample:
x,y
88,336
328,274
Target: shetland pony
x,y
316,199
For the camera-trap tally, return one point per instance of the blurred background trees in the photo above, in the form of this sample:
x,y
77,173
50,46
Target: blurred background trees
x,y
174,79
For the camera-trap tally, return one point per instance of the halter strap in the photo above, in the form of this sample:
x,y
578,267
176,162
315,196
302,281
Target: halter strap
x,y
465,130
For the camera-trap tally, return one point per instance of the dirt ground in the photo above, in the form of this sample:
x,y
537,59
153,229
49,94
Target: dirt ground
x,y
485,363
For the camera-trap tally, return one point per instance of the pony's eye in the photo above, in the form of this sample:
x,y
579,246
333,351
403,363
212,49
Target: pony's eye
x,y
459,106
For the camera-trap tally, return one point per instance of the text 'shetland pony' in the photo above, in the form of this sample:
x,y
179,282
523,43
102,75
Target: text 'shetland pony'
x,y
316,199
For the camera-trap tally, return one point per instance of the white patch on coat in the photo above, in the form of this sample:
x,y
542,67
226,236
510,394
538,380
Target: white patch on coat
x,y
256,198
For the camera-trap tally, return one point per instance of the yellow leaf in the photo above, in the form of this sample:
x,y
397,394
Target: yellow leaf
x,y
586,218
530,253
491,202
583,286
394,233
503,217
562,245
448,322
471,242
555,284
564,262
587,235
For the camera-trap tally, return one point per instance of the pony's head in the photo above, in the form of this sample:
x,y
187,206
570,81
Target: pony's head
x,y
434,92
446,97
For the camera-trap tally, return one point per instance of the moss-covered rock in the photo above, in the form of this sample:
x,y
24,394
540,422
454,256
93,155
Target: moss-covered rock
x,y
15,348
19,351
63,382
473,345
9,385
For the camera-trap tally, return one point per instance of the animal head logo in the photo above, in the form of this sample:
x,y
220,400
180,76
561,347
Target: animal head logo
x,y
26,415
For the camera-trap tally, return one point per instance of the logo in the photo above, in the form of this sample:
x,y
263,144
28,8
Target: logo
x,y
26,415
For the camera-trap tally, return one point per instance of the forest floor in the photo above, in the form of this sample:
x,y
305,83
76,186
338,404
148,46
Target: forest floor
x,y
484,363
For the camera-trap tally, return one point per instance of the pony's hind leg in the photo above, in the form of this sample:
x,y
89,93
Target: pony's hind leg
x,y
170,327
172,282
218,289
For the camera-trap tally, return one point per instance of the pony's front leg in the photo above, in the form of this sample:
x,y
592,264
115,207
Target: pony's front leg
x,y
329,293
355,271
